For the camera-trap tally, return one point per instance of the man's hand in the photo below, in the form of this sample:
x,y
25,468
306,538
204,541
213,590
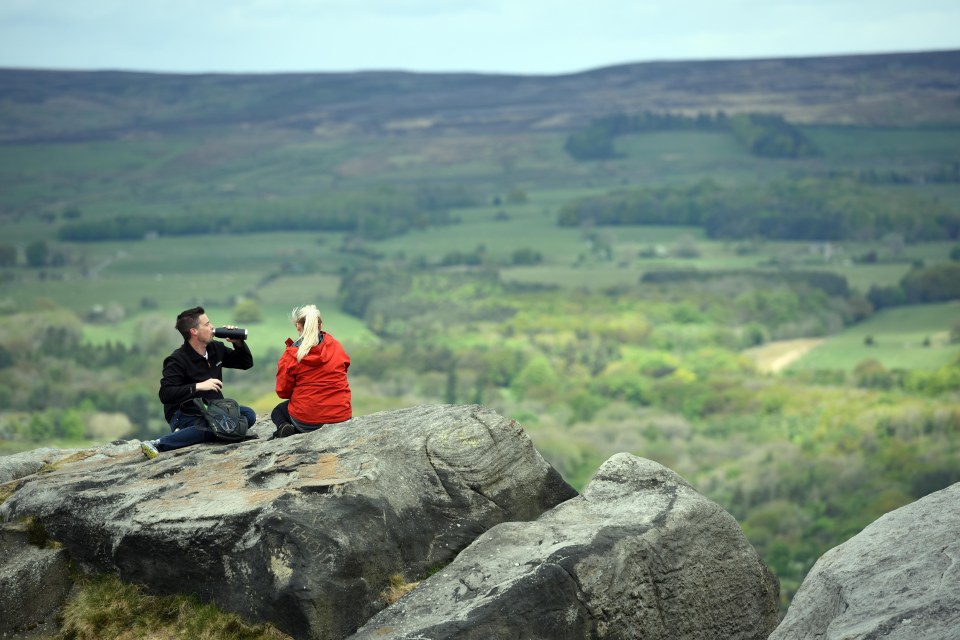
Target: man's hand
x,y
211,384
232,340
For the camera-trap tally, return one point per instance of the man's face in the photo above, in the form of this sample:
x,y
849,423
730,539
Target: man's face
x,y
204,330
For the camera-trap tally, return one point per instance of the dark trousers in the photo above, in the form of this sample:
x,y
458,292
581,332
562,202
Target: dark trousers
x,y
281,416
185,432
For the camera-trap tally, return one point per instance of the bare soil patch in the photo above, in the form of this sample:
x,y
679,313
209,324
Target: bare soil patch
x,y
774,357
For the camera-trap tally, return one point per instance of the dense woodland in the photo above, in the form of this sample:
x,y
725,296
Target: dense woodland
x,y
626,282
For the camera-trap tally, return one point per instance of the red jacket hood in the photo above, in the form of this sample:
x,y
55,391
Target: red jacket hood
x,y
318,354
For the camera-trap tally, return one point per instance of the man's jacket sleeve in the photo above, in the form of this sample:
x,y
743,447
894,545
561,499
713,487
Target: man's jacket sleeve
x,y
239,357
175,389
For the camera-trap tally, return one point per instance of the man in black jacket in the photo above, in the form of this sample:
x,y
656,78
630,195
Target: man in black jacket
x,y
195,370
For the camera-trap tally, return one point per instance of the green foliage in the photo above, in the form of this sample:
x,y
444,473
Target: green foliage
x,y
585,405
517,196
471,258
804,209
377,213
359,288
886,296
526,256
770,136
932,284
247,311
8,254
872,374
537,379
592,143
37,252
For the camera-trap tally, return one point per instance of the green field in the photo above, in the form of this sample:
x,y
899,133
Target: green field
x,y
915,337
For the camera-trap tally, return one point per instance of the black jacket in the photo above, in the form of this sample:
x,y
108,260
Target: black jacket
x,y
184,368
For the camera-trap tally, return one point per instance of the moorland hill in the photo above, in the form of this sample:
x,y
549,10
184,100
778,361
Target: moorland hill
x,y
886,89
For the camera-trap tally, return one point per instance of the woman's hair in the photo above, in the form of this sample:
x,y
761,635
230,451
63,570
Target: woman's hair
x,y
309,315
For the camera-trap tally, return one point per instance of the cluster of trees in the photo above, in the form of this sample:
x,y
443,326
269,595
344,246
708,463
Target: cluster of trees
x,y
936,283
871,374
37,254
49,372
766,135
378,213
770,136
799,209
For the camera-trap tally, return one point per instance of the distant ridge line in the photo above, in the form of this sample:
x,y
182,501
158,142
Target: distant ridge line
x,y
895,89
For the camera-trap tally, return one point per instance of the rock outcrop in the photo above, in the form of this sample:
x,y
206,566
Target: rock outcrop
x,y
898,579
304,532
34,579
23,464
640,554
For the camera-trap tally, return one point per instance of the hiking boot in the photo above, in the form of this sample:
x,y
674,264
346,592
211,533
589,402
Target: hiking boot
x,y
284,430
149,449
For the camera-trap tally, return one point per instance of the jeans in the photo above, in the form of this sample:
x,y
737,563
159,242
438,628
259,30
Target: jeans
x,y
185,431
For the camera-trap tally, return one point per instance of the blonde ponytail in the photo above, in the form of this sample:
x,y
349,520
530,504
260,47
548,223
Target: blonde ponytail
x,y
310,335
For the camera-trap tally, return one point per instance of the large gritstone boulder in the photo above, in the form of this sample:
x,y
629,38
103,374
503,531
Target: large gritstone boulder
x,y
640,554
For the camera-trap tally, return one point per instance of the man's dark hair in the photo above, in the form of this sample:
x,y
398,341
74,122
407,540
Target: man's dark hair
x,y
189,319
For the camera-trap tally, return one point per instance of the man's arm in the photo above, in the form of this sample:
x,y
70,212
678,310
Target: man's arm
x,y
175,388
239,357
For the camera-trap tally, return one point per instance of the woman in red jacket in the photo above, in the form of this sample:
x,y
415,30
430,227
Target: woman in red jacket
x,y
312,375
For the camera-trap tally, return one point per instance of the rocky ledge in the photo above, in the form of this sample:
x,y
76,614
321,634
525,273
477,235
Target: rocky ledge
x,y
309,532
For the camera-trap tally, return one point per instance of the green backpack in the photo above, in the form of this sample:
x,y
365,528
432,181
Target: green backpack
x,y
221,417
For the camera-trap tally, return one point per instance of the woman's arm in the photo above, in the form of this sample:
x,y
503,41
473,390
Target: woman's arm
x,y
286,380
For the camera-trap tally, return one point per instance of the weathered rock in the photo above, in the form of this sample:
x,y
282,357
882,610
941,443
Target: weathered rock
x,y
34,580
19,465
640,554
898,579
306,531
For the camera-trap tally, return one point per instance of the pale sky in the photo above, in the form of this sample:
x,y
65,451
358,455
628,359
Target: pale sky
x,y
498,36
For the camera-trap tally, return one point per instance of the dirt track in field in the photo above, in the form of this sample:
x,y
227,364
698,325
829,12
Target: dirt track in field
x,y
774,357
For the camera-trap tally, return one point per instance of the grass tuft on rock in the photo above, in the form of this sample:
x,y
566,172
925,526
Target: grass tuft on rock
x,y
104,608
398,588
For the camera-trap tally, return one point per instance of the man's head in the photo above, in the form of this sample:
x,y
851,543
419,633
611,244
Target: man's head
x,y
194,322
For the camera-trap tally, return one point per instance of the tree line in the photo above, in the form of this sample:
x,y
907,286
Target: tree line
x,y
374,214
787,209
922,284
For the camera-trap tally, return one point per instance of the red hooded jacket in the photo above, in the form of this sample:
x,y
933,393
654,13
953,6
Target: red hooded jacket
x,y
317,385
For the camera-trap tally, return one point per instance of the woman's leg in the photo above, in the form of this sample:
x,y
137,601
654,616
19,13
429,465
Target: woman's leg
x,y
281,414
